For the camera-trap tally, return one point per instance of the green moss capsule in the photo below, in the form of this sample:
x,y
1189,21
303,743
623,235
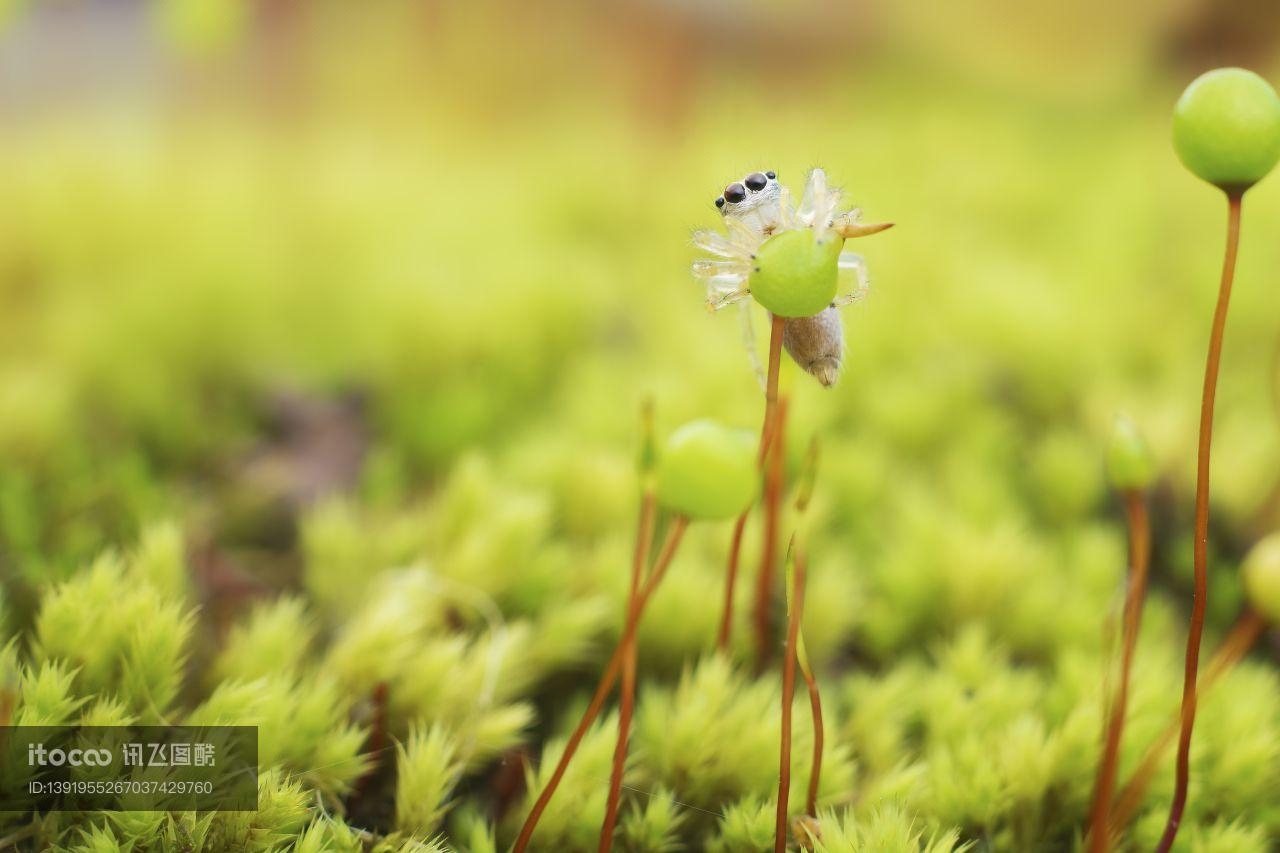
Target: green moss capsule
x,y
1129,463
1261,572
795,274
1226,128
708,471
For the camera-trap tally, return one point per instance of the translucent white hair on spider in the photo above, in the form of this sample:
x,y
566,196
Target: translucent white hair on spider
x,y
756,201
754,209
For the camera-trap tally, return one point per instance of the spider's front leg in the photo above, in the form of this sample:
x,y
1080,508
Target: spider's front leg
x,y
749,342
852,262
723,298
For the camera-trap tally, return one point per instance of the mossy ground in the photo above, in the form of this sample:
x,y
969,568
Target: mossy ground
x,y
294,414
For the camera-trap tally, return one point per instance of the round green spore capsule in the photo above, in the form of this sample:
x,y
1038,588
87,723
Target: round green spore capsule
x,y
1129,463
1226,128
794,275
708,471
1261,573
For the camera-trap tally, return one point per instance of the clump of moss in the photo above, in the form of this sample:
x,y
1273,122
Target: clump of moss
x,y
967,548
119,633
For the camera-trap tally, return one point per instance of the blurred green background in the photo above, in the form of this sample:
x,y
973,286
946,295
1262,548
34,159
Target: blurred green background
x,y
270,263
301,248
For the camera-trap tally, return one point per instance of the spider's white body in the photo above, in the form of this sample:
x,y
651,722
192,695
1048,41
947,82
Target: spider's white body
x,y
756,208
751,216
761,210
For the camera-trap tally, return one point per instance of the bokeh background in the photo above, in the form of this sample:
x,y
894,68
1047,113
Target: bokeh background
x,y
271,270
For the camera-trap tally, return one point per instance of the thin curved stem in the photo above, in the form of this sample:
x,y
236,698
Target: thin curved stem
x,y
730,583
1201,547
767,427
815,708
765,577
815,772
770,439
1242,637
607,680
788,698
627,700
776,329
772,500
1135,504
798,570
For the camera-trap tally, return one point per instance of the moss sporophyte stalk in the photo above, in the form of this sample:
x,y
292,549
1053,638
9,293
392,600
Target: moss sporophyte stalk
x,y
790,260
945,648
1261,576
1226,130
1131,470
705,471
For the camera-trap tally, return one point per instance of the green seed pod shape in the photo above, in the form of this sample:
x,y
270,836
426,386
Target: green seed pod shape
x,y
708,471
1261,571
1226,128
794,274
1129,462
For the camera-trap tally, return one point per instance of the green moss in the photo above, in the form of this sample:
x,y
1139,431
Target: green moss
x,y
303,724
965,556
120,634
653,824
275,639
889,829
746,827
427,769
573,820
737,758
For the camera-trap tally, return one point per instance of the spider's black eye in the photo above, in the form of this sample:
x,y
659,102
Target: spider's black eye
x,y
755,182
720,202
771,175
734,193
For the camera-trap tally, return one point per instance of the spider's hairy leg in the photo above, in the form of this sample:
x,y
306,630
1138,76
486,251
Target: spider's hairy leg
x,y
749,340
725,298
851,262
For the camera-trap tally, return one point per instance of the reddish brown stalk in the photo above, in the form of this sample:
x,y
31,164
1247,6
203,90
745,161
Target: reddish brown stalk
x,y
771,387
1244,634
1201,546
773,494
674,535
771,441
730,582
765,577
735,544
815,702
627,699
804,495
1135,504
815,772
788,698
